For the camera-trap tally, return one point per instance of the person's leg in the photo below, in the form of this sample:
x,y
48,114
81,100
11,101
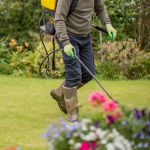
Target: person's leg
x,y
86,56
73,75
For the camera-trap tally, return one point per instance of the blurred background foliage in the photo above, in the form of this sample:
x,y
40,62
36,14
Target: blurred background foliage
x,y
20,42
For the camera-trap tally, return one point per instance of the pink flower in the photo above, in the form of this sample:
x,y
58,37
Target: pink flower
x,y
93,145
108,106
85,146
97,96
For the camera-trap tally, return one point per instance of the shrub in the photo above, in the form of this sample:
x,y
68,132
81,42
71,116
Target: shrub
x,y
6,69
4,53
59,64
120,59
23,63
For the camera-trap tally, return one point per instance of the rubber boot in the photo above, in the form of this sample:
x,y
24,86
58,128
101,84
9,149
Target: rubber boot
x,y
71,100
58,95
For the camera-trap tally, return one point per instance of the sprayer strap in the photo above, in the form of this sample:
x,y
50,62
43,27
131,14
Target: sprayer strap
x,y
73,6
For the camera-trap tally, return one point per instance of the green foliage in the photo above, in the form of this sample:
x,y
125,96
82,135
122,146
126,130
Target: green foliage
x,y
6,69
59,64
121,14
121,59
140,27
4,53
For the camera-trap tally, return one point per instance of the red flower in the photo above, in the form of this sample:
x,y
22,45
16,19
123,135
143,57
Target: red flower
x,y
11,149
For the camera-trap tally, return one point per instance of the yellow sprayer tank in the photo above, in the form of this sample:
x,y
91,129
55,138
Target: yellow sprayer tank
x,y
50,4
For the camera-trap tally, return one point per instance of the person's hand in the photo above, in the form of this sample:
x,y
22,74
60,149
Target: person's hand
x,y
68,50
111,31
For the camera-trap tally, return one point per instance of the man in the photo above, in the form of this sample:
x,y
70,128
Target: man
x,y
73,33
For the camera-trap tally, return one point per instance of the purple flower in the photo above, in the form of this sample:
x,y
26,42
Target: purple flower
x,y
134,135
55,135
48,133
141,132
125,39
63,128
96,124
148,123
52,126
43,135
137,114
146,145
111,119
56,130
123,122
142,136
68,135
140,145
72,128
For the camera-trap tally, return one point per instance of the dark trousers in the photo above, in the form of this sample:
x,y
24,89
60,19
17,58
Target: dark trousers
x,y
75,72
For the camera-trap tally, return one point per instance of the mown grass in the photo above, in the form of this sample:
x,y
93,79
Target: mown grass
x,y
26,107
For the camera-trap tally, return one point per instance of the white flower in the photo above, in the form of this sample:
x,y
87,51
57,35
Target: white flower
x,y
127,143
76,123
87,138
77,145
92,128
84,128
110,135
110,146
23,60
75,134
119,145
116,133
103,134
92,136
85,120
71,141
104,141
99,131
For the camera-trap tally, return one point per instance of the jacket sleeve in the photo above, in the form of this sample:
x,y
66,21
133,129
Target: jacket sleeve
x,y
101,12
63,7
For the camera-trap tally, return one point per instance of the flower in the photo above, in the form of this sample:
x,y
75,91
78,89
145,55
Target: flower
x,y
19,48
11,149
137,114
85,146
96,99
146,145
110,119
107,106
26,44
140,145
10,44
123,122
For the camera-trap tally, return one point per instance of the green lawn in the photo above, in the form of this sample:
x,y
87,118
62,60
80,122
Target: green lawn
x,y
26,107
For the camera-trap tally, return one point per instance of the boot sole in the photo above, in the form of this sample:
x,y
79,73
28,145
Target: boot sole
x,y
53,96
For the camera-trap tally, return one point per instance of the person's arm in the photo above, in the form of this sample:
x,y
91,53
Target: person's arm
x,y
63,7
101,12
102,15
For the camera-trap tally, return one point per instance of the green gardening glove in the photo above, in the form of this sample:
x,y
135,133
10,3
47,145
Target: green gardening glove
x,y
69,50
111,31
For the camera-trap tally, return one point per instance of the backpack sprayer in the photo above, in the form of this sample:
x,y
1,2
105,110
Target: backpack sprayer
x,y
50,29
